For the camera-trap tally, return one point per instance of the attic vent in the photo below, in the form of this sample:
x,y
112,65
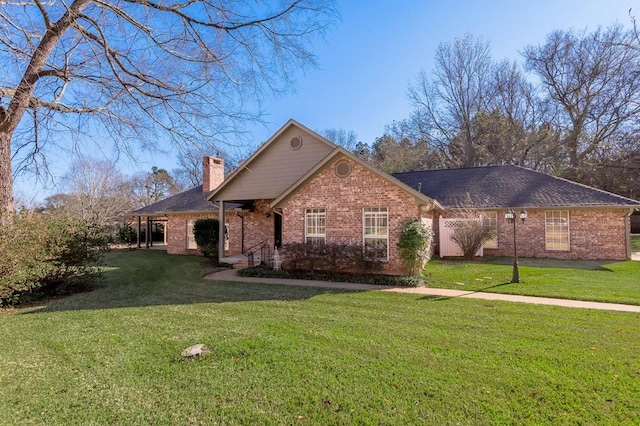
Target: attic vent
x,y
343,168
295,142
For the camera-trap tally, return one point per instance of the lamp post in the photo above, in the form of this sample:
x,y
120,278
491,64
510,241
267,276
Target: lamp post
x,y
510,215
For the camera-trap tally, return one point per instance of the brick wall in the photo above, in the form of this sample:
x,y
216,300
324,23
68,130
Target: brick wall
x,y
259,224
593,234
257,228
212,173
344,198
177,232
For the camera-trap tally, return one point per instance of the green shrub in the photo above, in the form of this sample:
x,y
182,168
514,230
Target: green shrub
x,y
42,254
207,233
127,235
335,258
414,245
379,279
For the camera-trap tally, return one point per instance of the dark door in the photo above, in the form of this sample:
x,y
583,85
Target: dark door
x,y
277,229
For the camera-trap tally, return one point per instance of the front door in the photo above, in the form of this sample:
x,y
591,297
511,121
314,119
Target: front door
x,y
277,229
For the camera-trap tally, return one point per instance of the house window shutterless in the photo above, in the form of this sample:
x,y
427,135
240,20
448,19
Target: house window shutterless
x,y
191,239
375,231
556,230
315,226
490,218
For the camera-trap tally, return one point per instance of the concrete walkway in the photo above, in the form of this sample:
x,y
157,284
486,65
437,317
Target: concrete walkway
x,y
231,275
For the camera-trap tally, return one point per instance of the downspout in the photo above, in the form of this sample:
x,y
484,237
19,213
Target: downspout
x,y
627,232
221,221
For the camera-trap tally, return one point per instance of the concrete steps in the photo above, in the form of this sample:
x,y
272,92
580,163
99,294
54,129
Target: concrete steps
x,y
240,261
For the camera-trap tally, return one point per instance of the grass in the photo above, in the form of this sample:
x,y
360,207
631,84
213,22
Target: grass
x,y
635,243
297,355
617,282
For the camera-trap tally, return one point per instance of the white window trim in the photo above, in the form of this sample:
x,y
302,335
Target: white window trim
x,y
315,212
492,215
546,244
191,239
377,237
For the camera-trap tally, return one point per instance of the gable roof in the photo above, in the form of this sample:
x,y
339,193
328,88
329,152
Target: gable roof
x,y
190,201
421,198
275,165
508,186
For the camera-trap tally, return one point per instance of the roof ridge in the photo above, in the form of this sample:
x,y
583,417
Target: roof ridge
x,y
456,168
580,184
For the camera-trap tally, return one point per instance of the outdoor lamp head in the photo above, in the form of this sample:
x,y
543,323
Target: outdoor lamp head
x,y
523,215
509,215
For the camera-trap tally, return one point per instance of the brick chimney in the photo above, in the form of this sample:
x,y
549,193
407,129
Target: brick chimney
x,y
212,173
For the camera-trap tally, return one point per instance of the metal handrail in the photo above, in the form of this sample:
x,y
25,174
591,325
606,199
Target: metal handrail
x,y
263,247
250,249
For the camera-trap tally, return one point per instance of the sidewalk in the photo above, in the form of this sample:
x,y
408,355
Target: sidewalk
x,y
231,275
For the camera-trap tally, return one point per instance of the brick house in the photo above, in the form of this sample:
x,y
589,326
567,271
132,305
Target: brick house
x,y
178,213
300,187
565,220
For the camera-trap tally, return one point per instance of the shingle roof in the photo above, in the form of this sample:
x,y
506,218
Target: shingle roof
x,y
189,201
507,186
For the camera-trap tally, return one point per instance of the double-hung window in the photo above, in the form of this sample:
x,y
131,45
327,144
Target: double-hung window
x,y
191,239
490,218
556,230
375,224
315,226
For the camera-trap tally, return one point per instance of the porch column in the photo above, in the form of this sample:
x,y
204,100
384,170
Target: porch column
x,y
147,237
221,252
139,230
166,229
627,234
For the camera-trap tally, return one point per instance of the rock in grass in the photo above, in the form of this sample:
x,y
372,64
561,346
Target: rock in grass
x,y
195,350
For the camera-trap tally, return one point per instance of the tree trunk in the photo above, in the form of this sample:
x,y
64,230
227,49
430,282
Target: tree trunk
x,y
6,176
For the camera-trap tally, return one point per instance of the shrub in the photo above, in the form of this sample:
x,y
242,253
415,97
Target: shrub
x,y
46,254
206,233
127,235
388,280
472,234
332,257
414,245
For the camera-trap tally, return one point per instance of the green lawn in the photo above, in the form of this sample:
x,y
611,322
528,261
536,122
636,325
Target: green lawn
x,y
294,355
617,282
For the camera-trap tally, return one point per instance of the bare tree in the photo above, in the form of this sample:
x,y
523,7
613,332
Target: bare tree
x,y
404,148
517,129
95,192
149,188
592,79
471,232
448,102
189,170
346,139
134,71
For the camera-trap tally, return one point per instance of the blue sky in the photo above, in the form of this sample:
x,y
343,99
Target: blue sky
x,y
368,58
